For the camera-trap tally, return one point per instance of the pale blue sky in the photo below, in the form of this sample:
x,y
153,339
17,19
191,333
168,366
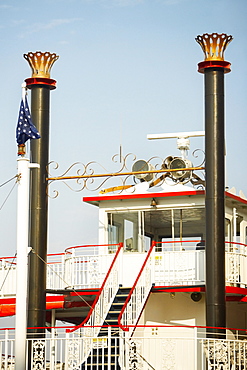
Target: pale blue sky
x,y
127,68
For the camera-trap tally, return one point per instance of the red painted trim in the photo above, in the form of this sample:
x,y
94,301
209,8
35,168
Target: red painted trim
x,y
236,291
100,291
7,260
78,304
8,305
90,292
136,326
7,301
235,243
234,298
54,298
214,64
133,287
157,195
146,195
173,289
236,197
41,81
89,246
49,298
139,326
54,302
56,254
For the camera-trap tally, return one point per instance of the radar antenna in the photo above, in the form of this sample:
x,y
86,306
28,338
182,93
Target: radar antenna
x,y
183,144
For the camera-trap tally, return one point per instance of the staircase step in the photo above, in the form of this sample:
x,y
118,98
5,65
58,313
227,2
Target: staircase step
x,y
112,312
112,322
114,332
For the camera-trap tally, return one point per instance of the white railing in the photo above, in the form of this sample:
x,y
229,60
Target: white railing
x,y
7,276
91,326
177,263
179,268
180,262
236,271
186,348
188,351
86,266
55,273
139,293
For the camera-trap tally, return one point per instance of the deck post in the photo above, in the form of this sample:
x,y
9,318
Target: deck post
x,y
214,67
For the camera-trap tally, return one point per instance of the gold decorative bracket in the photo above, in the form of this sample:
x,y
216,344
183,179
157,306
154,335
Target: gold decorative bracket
x,y
88,177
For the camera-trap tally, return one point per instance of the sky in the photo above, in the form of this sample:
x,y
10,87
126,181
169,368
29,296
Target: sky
x,y
126,68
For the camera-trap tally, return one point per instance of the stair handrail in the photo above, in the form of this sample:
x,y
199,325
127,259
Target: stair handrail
x,y
127,314
96,317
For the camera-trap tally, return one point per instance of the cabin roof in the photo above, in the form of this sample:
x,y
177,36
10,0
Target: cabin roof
x,y
168,192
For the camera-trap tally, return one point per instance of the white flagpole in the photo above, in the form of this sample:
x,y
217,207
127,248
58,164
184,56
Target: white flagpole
x,y
23,165
22,261
23,85
22,253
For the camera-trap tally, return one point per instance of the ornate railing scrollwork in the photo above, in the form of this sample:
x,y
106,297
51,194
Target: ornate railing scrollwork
x,y
93,176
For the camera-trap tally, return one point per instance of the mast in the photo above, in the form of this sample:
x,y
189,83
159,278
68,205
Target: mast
x,y
40,85
214,67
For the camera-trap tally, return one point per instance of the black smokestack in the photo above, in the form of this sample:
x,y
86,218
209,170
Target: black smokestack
x,y
40,85
214,67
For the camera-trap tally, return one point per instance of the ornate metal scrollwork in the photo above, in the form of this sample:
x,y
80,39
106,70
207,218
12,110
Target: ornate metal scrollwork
x,y
168,354
196,180
73,347
135,360
156,171
38,348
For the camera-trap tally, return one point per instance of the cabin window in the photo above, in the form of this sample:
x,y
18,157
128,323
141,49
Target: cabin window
x,y
227,229
124,227
113,234
236,222
227,234
187,230
129,227
172,229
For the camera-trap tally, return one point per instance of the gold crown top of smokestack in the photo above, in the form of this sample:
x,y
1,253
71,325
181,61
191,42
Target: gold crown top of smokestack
x,y
41,63
214,45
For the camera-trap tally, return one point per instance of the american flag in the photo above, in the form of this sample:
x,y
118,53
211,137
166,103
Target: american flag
x,y
25,128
